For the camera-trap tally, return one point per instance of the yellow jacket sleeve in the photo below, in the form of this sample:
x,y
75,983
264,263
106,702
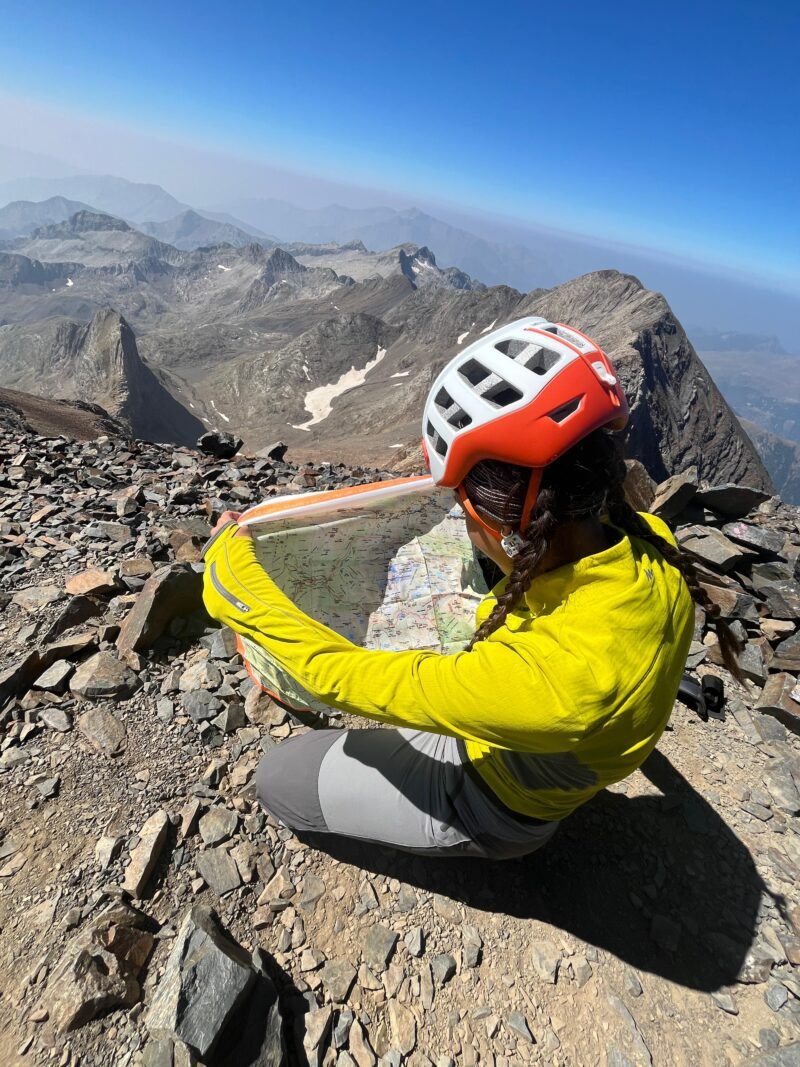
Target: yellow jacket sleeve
x,y
500,694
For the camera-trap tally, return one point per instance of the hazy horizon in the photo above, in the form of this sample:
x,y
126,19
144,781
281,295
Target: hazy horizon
x,y
576,139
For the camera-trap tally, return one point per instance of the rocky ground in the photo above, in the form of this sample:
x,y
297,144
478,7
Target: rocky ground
x,y
151,915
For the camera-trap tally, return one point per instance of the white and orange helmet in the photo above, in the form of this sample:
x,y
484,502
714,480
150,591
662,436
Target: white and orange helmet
x,y
523,394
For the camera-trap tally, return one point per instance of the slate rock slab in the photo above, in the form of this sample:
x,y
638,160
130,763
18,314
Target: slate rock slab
x,y
711,547
103,677
37,597
218,869
15,680
104,732
780,697
171,592
787,655
674,494
732,501
152,838
206,979
378,946
768,542
254,1037
218,824
338,977
55,678
92,582
99,969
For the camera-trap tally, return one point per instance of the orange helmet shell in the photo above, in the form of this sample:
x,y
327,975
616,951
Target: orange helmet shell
x,y
524,394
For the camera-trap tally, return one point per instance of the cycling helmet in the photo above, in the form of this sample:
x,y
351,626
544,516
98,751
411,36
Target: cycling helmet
x,y
523,394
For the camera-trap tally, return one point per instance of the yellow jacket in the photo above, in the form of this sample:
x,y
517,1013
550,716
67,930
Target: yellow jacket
x,y
570,695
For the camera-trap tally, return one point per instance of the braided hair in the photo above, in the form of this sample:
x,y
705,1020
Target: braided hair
x,y
586,481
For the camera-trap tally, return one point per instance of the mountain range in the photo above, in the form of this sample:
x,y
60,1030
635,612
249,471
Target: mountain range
x,y
330,348
496,250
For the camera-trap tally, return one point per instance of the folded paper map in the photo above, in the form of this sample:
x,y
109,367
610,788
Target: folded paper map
x,y
387,565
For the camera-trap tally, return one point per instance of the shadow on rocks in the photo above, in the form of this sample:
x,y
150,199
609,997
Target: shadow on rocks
x,y
659,881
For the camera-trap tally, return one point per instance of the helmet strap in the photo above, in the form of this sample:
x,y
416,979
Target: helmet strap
x,y
511,542
531,497
467,505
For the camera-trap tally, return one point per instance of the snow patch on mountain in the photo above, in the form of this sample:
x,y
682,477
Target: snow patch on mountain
x,y
318,402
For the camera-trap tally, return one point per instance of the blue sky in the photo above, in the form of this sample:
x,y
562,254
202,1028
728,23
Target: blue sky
x,y
672,126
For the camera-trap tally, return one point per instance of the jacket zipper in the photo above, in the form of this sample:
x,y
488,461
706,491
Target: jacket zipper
x,y
223,592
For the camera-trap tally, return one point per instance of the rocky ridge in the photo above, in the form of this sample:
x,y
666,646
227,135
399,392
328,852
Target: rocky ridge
x,y
241,337
151,915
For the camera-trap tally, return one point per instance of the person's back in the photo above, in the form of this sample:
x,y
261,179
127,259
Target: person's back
x,y
595,661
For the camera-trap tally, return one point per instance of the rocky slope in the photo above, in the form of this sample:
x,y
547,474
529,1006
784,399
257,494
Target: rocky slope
x,y
151,915
94,239
191,230
78,419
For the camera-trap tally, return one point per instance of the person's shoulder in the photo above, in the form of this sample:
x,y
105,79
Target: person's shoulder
x,y
658,526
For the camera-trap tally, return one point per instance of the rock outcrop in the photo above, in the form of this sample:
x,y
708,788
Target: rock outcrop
x,y
283,279
678,416
99,363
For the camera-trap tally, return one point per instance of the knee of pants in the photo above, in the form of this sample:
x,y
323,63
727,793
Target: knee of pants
x,y
287,779
266,779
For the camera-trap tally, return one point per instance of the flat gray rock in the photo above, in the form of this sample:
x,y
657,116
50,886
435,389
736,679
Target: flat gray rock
x,y
338,977
378,945
218,869
104,731
218,824
55,678
206,978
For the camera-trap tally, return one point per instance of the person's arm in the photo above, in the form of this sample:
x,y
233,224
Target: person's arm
x,y
499,693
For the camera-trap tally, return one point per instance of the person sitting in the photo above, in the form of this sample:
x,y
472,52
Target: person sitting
x,y
573,669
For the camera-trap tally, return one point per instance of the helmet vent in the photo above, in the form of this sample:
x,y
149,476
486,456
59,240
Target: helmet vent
x,y
443,400
531,356
452,413
541,360
564,412
439,444
512,347
474,372
458,419
502,395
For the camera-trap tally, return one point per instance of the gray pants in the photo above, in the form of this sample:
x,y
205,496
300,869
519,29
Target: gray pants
x,y
403,788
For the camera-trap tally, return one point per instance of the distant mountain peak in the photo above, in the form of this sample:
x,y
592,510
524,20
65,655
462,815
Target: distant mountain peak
x,y
279,263
83,222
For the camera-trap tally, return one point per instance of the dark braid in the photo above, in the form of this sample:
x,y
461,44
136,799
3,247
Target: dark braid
x,y
544,523
585,481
